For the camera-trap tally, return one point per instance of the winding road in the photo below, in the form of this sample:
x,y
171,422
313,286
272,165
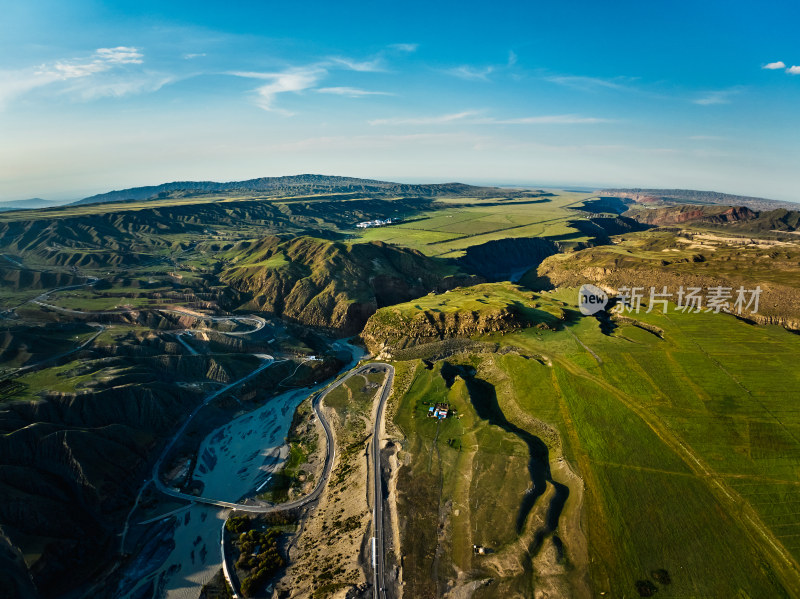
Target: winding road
x,y
330,455
257,322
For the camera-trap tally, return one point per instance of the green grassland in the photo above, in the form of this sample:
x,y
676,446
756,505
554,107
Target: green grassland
x,y
696,253
177,232
460,223
464,312
466,476
675,258
88,300
66,378
688,446
477,298
167,202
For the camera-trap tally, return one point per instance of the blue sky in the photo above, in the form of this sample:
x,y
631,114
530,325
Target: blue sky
x,y
106,95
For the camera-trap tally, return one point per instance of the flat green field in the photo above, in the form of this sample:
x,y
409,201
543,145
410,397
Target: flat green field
x,y
451,229
688,447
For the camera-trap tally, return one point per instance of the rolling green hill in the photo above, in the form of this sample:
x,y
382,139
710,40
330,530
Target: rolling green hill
x,y
585,455
464,312
98,236
333,285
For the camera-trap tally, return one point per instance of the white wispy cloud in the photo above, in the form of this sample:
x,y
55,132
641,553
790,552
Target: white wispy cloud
x,y
298,79
473,117
193,55
426,120
793,70
363,66
120,55
118,87
468,72
712,98
774,65
591,83
404,47
512,58
292,80
104,59
81,75
351,92
552,119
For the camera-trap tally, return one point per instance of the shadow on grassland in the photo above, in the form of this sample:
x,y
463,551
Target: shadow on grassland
x,y
484,399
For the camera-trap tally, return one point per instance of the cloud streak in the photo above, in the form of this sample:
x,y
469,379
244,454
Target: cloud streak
x,y
81,73
771,66
473,73
292,80
713,98
472,117
404,47
591,83
350,92
364,66
301,78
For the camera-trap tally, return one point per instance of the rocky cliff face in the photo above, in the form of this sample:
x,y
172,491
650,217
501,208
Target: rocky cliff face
x,y
779,302
380,334
675,215
461,313
332,285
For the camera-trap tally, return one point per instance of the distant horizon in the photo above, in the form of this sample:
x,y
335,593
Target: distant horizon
x,y
68,198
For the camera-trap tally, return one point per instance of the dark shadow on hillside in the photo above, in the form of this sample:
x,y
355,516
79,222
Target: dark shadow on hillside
x,y
601,228
608,204
507,259
511,201
484,399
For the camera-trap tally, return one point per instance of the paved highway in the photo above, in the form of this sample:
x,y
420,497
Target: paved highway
x,y
378,546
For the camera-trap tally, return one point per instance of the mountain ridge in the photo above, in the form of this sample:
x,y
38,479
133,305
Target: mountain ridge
x,y
682,196
297,184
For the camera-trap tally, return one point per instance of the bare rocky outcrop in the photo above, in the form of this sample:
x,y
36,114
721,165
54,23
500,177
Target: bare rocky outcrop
x,y
778,303
383,333
675,215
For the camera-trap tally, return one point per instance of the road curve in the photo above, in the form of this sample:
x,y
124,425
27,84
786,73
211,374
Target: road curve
x,y
257,322
329,457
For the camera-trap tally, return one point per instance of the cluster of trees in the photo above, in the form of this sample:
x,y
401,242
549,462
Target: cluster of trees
x,y
238,524
258,554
